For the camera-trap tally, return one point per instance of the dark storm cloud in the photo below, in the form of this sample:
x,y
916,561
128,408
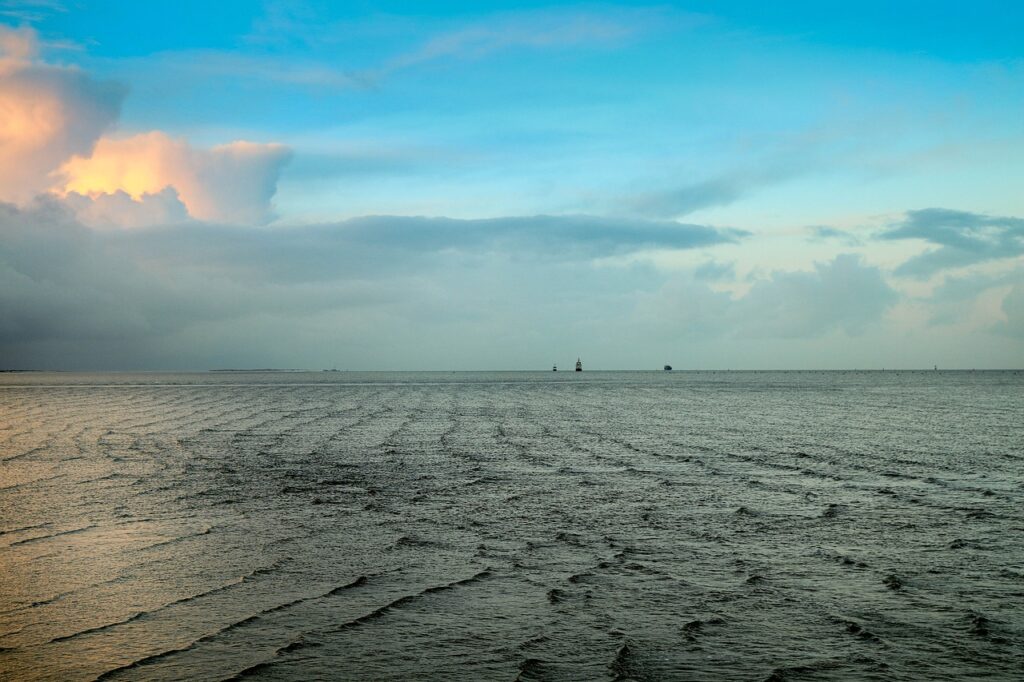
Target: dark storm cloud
x,y
963,238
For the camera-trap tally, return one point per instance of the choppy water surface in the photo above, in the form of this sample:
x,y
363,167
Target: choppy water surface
x,y
712,526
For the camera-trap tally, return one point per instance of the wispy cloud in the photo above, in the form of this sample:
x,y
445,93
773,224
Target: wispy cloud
x,y
548,29
538,29
304,72
30,11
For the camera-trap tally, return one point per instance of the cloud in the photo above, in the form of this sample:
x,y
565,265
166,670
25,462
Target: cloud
x,y
843,295
1013,308
425,293
174,295
963,239
53,122
538,29
17,45
715,271
119,210
790,157
30,11
686,199
378,246
332,55
47,114
303,73
824,233
231,183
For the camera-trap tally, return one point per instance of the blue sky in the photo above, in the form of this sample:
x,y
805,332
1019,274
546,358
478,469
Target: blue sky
x,y
822,142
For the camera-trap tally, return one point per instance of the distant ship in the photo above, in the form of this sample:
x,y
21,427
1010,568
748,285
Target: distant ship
x,y
554,368
579,365
668,368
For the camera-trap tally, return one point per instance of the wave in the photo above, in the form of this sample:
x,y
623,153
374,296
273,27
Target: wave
x,y
62,533
856,629
409,598
694,627
24,528
256,669
355,622
531,669
177,602
180,538
30,483
625,666
149,660
784,673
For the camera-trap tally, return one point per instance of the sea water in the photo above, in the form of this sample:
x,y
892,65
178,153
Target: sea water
x,y
503,526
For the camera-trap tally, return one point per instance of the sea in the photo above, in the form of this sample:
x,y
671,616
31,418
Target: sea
x,y
512,526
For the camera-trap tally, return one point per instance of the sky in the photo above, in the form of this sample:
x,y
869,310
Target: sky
x,y
499,185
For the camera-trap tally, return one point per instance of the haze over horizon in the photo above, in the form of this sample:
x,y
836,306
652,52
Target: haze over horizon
x,y
460,186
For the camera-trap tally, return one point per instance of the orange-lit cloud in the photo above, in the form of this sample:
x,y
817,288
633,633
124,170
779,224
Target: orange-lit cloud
x,y
230,183
53,122
17,46
47,114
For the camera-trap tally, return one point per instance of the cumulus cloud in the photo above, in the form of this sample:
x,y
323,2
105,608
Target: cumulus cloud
x,y
231,183
118,209
962,238
54,122
47,114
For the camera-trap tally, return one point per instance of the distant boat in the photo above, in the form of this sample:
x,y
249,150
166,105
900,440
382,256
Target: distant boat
x,y
668,368
579,365
554,368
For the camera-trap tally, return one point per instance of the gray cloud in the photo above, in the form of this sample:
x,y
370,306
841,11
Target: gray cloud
x,y
714,271
120,210
182,295
1013,308
376,244
962,238
825,233
788,159
689,198
844,295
